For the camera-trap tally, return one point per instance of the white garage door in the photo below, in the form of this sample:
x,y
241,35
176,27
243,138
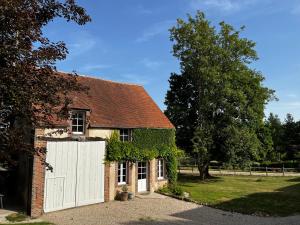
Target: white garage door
x,y
77,177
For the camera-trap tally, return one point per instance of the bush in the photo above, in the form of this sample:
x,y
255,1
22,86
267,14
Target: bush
x,y
173,189
176,190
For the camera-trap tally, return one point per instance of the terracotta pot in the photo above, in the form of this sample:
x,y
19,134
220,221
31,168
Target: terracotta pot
x,y
124,196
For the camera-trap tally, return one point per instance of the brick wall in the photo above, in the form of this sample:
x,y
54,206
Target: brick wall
x,y
106,182
38,179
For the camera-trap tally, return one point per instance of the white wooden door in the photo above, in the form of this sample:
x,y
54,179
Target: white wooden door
x,y
142,176
77,177
90,173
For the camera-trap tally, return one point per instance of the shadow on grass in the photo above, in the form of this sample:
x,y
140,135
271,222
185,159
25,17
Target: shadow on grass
x,y
281,202
296,179
183,178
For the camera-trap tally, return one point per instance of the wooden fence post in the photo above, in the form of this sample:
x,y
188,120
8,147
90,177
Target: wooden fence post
x,y
283,170
250,171
266,171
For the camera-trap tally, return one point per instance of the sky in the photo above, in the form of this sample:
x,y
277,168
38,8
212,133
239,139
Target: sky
x,y
128,41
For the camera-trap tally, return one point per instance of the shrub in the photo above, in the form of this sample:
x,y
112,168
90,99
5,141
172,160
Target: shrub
x,y
176,190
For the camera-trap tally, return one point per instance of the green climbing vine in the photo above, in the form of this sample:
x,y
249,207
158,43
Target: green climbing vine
x,y
146,144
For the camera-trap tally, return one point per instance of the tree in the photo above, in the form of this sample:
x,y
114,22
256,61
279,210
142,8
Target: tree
x,y
31,92
276,129
217,99
291,137
267,150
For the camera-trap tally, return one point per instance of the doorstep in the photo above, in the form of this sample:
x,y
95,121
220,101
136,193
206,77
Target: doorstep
x,y
149,195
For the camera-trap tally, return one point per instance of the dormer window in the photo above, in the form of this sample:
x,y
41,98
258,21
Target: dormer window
x,y
78,122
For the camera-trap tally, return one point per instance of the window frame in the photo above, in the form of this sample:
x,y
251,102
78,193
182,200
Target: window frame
x,y
128,135
123,177
160,169
77,112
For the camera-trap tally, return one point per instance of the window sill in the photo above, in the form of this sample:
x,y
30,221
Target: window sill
x,y
77,133
161,179
122,184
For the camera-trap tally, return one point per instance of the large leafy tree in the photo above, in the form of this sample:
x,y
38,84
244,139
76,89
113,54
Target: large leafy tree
x,y
217,101
31,93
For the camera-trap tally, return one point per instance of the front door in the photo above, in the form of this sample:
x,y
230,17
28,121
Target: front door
x,y
142,176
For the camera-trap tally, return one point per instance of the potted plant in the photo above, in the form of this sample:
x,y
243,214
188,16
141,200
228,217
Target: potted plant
x,y
130,195
124,193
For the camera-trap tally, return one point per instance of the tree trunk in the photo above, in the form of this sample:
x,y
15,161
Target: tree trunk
x,y
204,171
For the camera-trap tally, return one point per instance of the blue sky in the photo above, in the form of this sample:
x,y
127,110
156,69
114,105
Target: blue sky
x,y
128,41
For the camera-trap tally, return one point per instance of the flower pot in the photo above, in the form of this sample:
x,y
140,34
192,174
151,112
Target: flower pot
x,y
124,196
130,195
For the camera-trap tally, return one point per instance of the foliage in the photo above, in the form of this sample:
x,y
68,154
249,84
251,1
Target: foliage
x,y
153,138
241,146
291,137
264,134
171,189
285,136
273,123
176,189
124,188
172,166
31,93
147,144
16,217
277,196
202,143
32,223
217,92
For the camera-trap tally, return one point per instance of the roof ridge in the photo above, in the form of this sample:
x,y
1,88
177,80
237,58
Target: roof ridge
x,y
98,78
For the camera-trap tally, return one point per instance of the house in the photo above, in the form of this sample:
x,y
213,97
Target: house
x,y
80,175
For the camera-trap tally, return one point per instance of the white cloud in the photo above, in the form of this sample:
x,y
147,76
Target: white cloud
x,y
291,95
142,10
286,105
83,42
151,64
155,30
222,5
134,78
93,67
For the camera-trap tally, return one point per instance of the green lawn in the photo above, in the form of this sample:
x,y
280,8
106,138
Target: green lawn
x,y
38,223
277,196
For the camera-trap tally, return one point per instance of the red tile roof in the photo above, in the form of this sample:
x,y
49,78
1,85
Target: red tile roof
x,y
119,105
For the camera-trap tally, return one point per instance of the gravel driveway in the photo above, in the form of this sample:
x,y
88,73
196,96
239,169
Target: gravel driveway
x,y
158,210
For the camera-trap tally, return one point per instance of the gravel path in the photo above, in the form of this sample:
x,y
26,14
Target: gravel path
x,y
158,211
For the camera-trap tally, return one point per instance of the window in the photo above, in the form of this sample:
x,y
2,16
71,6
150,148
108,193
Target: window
x,y
122,172
160,169
78,122
125,135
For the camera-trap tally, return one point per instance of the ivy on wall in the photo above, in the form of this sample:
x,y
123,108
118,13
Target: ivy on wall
x,y
146,144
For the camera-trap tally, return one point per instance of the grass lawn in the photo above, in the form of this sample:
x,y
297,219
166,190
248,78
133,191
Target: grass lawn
x,y
38,223
19,218
277,196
